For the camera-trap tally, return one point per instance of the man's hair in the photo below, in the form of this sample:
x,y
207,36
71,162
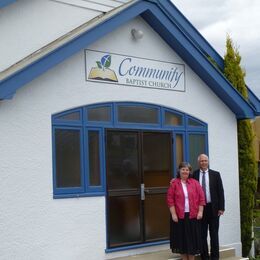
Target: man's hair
x,y
202,155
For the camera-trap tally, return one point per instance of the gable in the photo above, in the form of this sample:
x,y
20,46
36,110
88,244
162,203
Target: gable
x,y
166,20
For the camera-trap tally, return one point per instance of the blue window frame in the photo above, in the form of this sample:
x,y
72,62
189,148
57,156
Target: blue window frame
x,y
68,160
79,141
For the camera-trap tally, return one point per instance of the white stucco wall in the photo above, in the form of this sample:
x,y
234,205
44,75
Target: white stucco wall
x,y
35,24
35,226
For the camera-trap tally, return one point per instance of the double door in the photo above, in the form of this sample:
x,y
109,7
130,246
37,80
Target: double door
x,y
139,169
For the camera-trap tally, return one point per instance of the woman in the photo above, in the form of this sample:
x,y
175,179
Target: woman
x,y
185,200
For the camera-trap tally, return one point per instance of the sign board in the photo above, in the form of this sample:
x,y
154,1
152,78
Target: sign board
x,y
134,71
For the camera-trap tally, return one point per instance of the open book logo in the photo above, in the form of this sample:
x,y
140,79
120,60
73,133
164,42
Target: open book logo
x,y
102,71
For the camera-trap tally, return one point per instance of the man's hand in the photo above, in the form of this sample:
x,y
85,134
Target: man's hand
x,y
220,212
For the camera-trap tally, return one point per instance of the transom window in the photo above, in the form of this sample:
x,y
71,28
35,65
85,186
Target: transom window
x,y
79,139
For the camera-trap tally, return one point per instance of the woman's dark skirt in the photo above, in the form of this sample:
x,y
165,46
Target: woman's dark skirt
x,y
185,236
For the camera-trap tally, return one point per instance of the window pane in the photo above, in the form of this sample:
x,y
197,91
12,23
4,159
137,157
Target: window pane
x,y
122,160
124,220
68,170
197,146
179,149
172,119
94,160
192,122
156,159
99,114
156,210
75,116
138,114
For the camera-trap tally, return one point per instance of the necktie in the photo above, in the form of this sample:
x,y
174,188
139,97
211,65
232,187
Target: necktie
x,y
204,184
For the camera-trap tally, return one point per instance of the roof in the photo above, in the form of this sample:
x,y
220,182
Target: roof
x,y
166,20
4,3
97,5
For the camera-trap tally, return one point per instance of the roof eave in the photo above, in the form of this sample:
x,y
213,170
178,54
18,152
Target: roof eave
x,y
4,3
165,26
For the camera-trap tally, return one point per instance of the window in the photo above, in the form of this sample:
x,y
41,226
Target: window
x,y
77,151
79,142
194,122
179,151
173,119
68,153
99,114
94,158
138,114
75,116
196,146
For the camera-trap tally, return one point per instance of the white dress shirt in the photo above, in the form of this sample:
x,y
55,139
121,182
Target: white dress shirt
x,y
208,198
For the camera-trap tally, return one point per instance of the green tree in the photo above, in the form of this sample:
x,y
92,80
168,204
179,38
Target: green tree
x,y
247,162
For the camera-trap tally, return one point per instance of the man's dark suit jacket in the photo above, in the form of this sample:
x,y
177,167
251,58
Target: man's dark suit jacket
x,y
216,190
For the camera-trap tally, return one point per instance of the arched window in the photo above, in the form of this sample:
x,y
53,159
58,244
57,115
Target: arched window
x,y
79,140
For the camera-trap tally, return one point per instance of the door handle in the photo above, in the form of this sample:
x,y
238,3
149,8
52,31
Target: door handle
x,y
142,191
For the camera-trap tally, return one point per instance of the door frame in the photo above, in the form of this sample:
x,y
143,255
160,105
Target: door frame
x,y
183,125
139,133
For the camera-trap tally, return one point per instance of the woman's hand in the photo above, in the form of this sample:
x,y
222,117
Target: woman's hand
x,y
199,216
174,217
172,180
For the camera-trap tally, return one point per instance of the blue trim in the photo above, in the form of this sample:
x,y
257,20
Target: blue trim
x,y
183,23
84,127
190,53
79,195
172,26
254,101
59,121
4,3
68,190
9,85
101,187
137,246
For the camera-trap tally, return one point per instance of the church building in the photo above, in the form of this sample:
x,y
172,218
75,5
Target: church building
x,y
99,103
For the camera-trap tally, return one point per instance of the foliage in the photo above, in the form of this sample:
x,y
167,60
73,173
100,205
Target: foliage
x,y
214,63
247,162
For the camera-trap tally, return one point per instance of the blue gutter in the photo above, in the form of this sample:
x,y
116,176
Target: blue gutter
x,y
4,3
159,14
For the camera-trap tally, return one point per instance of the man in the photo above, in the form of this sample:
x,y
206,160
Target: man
x,y
211,182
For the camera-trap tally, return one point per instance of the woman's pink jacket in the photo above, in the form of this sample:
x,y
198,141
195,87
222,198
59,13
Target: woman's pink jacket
x,y
175,197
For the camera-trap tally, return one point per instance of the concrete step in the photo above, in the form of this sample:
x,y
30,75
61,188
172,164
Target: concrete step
x,y
237,258
160,255
227,253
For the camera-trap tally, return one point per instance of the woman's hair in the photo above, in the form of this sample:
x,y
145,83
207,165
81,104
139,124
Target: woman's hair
x,y
182,165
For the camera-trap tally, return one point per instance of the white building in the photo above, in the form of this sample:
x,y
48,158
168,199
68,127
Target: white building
x,y
99,102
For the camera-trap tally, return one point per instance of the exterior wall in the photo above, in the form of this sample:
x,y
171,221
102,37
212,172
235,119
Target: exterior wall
x,y
35,24
33,224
